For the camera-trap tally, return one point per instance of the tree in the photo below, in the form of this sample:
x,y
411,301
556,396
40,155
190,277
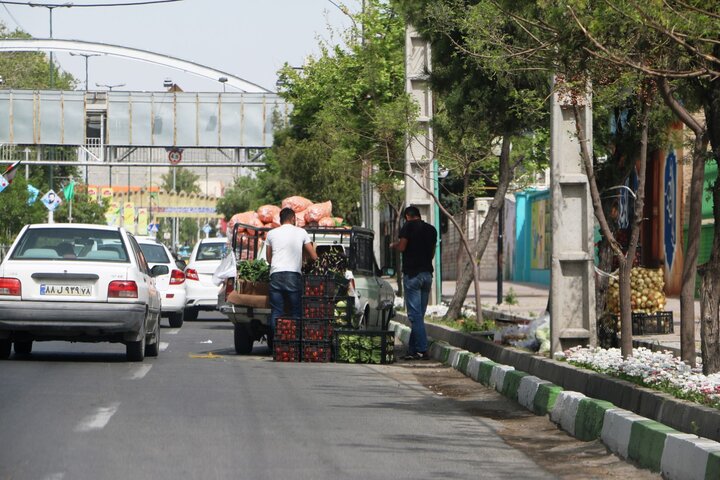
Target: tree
x,y
476,104
16,212
184,180
84,210
240,197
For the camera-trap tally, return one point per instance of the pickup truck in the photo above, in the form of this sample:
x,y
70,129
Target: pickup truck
x,y
375,296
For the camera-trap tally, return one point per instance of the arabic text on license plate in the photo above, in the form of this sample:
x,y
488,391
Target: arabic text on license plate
x,y
65,290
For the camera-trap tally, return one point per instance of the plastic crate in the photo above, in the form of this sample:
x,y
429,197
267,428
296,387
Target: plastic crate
x,y
287,329
316,307
343,311
657,323
317,329
286,351
363,346
317,351
320,286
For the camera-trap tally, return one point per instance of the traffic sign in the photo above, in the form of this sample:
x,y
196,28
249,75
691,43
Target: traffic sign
x,y
174,156
153,228
51,200
207,229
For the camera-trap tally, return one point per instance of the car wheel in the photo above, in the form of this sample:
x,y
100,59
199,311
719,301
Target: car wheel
x,y
5,347
243,341
24,347
135,351
153,349
191,314
176,319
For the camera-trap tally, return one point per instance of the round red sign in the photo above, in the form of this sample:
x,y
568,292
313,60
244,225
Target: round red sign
x,y
175,156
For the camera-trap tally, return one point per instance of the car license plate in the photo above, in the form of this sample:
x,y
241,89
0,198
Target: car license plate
x,y
65,290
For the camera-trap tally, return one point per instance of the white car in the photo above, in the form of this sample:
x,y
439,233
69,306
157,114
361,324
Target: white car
x,y
202,293
80,283
171,285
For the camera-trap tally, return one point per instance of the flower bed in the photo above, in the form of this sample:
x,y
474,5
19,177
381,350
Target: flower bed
x,y
657,370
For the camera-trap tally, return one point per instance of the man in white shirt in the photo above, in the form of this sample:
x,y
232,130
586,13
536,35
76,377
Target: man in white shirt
x,y
284,246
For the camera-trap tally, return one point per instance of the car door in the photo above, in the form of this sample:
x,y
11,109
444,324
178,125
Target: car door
x,y
147,282
362,264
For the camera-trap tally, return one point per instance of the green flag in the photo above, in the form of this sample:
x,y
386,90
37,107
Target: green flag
x,y
69,190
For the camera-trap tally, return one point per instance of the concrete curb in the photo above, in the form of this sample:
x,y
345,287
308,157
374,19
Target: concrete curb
x,y
649,443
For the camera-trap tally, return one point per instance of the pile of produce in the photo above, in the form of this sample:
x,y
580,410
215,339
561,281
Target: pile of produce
x,y
253,270
370,347
647,291
330,262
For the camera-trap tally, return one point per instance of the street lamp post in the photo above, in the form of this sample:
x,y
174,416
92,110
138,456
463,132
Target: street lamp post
x,y
108,86
50,9
86,55
223,80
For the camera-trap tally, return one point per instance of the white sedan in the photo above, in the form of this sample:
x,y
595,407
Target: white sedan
x,y
80,283
202,293
171,285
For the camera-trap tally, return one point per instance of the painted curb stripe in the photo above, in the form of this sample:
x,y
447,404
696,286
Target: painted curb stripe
x,y
617,427
647,442
545,398
463,361
527,390
565,410
511,384
473,369
590,418
497,377
485,372
687,457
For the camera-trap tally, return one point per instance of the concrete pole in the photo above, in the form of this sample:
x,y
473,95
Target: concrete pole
x,y
419,158
572,279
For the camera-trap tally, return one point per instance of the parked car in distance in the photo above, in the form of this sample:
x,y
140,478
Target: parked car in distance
x,y
170,285
202,293
80,283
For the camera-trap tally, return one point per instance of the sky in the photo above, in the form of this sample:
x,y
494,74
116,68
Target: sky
x,y
251,39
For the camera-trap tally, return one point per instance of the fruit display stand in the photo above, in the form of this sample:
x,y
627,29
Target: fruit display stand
x,y
364,346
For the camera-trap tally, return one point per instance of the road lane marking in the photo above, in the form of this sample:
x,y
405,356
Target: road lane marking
x,y
139,372
164,346
171,331
205,355
55,476
99,419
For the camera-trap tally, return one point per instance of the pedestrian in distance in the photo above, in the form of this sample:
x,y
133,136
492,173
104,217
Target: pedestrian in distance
x,y
416,241
285,246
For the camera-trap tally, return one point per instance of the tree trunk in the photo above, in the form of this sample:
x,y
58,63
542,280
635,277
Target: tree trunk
x,y
687,292
602,283
710,272
625,307
483,237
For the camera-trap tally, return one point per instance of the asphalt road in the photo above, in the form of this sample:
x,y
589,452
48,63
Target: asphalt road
x,y
198,411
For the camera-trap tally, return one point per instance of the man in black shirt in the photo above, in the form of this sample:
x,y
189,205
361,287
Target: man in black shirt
x,y
417,243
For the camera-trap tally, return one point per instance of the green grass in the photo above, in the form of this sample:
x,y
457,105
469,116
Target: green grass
x,y
465,324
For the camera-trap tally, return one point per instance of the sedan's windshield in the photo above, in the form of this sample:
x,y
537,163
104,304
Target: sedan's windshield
x,y
154,253
83,244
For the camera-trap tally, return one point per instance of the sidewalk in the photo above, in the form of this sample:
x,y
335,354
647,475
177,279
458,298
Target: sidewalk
x,y
532,300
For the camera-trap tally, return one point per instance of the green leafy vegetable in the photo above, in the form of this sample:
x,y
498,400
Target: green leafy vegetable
x,y
253,270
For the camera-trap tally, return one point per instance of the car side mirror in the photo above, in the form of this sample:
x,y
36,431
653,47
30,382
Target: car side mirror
x,y
388,272
158,270
181,264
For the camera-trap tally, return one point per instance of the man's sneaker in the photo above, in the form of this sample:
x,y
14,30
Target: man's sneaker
x,y
423,356
412,356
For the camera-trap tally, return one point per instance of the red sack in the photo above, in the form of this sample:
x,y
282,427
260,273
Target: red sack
x,y
300,219
298,204
248,218
267,213
326,222
316,211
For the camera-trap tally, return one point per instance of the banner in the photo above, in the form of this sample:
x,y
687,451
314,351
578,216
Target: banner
x,y
32,194
129,215
142,221
69,190
92,193
106,192
112,215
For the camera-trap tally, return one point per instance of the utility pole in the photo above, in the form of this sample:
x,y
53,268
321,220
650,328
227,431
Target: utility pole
x,y
86,55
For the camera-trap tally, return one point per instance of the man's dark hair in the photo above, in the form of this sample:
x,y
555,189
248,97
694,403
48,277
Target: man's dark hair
x,y
286,215
412,212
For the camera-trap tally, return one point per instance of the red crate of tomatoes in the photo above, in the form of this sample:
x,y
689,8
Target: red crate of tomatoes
x,y
319,286
284,351
317,330
317,352
318,308
287,329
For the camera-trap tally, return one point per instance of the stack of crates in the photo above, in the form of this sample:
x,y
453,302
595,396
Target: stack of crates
x,y
318,318
365,346
286,342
